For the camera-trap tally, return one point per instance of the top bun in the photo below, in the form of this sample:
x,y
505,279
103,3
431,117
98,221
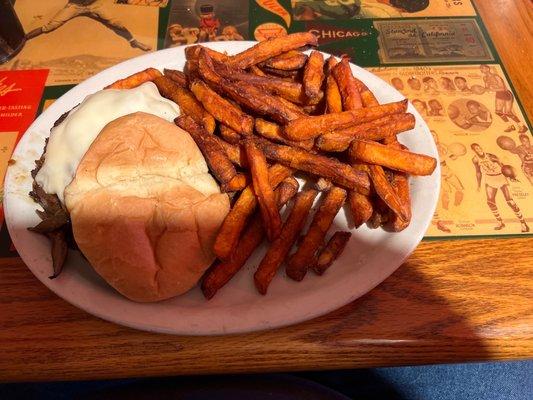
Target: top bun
x,y
144,209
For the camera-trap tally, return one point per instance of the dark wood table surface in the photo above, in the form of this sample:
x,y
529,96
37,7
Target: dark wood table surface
x,y
453,300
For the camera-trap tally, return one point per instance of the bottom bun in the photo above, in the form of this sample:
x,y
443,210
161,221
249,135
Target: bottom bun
x,y
144,209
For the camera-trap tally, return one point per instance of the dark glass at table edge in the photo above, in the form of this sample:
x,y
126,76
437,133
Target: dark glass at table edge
x,y
12,36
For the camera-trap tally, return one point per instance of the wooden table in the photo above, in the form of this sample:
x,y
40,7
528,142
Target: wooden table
x,y
454,300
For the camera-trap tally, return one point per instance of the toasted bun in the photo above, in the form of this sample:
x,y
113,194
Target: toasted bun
x,y
144,209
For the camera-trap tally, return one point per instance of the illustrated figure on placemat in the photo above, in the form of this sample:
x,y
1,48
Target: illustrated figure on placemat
x,y
209,23
180,35
397,83
450,182
435,108
229,33
307,10
430,85
420,106
461,84
478,116
489,167
94,9
504,98
414,83
470,115
447,84
524,151
390,8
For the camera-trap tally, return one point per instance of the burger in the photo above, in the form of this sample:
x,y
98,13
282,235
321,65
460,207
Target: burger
x,y
119,181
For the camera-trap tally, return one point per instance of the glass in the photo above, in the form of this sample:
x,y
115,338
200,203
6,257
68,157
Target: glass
x,y
12,36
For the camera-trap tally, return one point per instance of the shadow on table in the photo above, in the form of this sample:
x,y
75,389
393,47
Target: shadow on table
x,y
413,317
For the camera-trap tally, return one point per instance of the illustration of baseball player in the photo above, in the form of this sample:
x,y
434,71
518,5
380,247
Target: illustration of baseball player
x,y
93,9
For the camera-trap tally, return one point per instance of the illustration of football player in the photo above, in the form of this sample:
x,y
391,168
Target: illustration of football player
x,y
94,9
489,167
209,23
504,98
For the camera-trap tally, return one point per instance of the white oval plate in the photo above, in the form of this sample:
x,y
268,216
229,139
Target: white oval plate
x,y
370,257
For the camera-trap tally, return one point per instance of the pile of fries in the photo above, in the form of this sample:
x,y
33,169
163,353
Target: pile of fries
x,y
260,117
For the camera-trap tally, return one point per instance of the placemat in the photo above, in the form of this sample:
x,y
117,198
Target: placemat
x,y
436,52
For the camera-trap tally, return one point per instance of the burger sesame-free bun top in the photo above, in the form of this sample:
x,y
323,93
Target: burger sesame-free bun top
x,y
144,209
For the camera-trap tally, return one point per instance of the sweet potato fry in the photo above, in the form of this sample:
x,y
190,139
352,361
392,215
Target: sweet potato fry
x,y
235,184
193,52
380,215
234,153
315,109
289,184
288,61
323,184
214,153
262,189
235,221
330,63
381,128
360,207
400,182
137,79
222,110
228,134
313,74
333,96
351,98
290,76
273,131
315,164
396,159
291,91
310,127
271,48
191,71
248,95
222,272
304,256
178,77
360,204
186,101
254,69
279,249
386,192
367,97
332,251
